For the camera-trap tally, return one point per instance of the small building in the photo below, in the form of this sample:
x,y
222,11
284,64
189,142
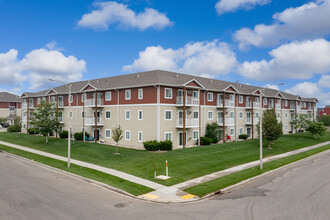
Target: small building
x,y
325,111
10,106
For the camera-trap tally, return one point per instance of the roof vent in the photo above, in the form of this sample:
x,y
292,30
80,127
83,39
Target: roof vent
x,y
177,75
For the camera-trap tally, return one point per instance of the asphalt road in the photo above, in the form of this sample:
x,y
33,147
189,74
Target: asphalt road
x,y
28,191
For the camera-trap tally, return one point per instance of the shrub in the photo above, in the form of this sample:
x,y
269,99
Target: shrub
x,y
14,128
290,132
206,141
79,136
155,145
64,134
212,131
243,136
33,131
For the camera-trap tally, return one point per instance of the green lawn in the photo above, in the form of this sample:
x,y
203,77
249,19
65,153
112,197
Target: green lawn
x,y
184,164
231,179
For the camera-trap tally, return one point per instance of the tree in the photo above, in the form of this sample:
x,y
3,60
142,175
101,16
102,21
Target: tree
x,y
117,135
2,121
325,119
45,119
300,121
271,129
316,128
212,131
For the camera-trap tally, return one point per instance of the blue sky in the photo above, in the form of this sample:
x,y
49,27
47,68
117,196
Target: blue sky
x,y
259,42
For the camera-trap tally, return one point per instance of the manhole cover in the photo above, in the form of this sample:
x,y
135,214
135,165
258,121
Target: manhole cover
x,y
120,205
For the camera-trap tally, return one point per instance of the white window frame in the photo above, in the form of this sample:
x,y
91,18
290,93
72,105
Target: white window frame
x,y
71,99
105,133
106,114
140,132
196,131
286,127
265,101
286,102
170,133
170,114
139,115
171,93
128,94
210,96
83,114
108,93
241,131
286,115
140,92
194,114
208,115
232,129
240,99
70,114
38,101
129,118
127,132
231,113
83,97
240,114
196,92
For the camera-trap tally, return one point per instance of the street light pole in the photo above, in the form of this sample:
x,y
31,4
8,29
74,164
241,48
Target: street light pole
x,y
260,129
69,130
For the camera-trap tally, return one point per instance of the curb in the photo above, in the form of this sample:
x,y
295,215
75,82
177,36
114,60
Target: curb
x,y
253,179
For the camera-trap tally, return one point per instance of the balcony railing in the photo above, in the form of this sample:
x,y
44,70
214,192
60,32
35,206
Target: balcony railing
x,y
91,121
228,103
292,107
24,118
298,107
24,105
228,121
248,105
60,104
190,100
249,121
190,122
91,102
256,104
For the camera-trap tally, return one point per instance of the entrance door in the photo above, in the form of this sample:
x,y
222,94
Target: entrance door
x,y
97,134
98,116
248,131
248,117
220,134
181,138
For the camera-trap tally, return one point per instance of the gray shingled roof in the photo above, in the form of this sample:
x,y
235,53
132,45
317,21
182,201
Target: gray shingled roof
x,y
8,97
160,77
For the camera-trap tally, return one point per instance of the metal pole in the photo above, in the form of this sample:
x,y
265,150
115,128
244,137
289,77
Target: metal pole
x,y
184,118
84,114
260,135
69,124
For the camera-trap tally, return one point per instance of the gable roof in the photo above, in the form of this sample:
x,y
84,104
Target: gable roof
x,y
8,97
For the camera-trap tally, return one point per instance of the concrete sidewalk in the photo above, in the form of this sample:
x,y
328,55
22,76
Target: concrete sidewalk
x,y
163,193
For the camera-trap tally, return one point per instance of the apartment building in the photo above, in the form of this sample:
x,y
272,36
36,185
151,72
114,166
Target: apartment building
x,y
10,106
161,105
325,110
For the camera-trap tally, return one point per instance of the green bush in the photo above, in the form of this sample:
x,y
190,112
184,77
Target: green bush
x,y
243,136
155,145
212,131
79,136
64,134
33,131
206,141
14,128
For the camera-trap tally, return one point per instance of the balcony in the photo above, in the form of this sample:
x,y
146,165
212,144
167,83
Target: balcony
x,y
60,119
24,118
228,103
91,102
292,108
60,104
190,100
24,105
310,109
249,121
91,121
190,122
256,104
278,106
298,107
228,121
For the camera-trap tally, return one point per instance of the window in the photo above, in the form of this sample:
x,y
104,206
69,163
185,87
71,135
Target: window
x,y
83,97
195,94
304,104
232,114
286,115
256,99
107,133
168,136
195,135
257,114
11,108
108,96
140,115
240,131
168,93
278,115
195,114
71,98
83,114
168,114
241,115
210,96
286,127
38,101
128,115
43,100
232,132
128,94
108,114
240,98
140,136
286,102
70,114
140,94
265,101
210,115
127,135
231,97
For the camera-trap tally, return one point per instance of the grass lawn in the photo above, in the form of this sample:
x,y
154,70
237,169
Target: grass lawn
x,y
184,164
231,179
114,181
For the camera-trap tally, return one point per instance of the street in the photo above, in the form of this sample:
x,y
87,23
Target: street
x,y
28,191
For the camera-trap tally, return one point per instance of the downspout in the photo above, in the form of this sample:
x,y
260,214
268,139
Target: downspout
x,y
84,115
56,114
199,117
184,118
252,116
223,117
27,116
95,118
158,113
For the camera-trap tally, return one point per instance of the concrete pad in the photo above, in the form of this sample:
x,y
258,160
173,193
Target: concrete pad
x,y
188,196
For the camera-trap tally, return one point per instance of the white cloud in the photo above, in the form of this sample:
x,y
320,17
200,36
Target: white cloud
x,y
108,13
206,58
311,90
297,60
37,67
271,86
308,21
224,6
324,81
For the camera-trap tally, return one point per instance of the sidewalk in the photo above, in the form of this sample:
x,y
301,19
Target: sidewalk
x,y
163,193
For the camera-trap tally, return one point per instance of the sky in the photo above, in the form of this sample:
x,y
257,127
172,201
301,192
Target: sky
x,y
256,42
